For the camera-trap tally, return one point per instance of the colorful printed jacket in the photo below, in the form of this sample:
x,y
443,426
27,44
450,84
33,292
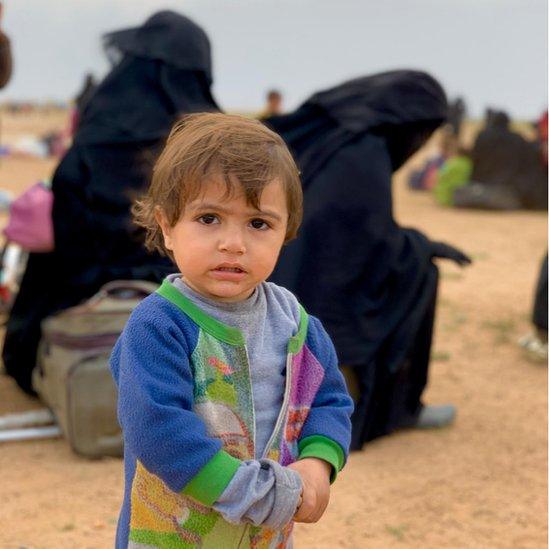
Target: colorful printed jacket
x,y
187,413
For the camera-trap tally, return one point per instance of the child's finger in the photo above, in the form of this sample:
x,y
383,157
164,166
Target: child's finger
x,y
307,507
320,506
308,514
302,514
318,512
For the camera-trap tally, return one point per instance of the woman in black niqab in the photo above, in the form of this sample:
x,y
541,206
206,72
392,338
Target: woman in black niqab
x,y
371,282
162,70
508,173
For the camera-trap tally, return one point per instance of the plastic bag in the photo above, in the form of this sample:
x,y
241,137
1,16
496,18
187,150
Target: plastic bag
x,y
30,224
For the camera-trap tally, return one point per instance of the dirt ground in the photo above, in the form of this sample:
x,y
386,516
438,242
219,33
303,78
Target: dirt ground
x,y
479,484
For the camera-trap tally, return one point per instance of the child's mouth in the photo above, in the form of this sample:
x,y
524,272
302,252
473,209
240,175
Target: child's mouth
x,y
229,273
230,269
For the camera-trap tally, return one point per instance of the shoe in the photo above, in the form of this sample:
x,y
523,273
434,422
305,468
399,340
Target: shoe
x,y
433,417
535,348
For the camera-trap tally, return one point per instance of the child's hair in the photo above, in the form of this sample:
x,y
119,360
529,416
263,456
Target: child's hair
x,y
241,152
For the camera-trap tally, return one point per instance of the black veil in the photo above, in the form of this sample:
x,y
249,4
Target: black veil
x,y
162,70
370,281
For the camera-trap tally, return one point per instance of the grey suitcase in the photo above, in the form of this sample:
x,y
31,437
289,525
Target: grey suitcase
x,y
72,376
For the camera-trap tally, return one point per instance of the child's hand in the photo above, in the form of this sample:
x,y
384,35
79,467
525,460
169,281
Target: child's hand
x,y
315,475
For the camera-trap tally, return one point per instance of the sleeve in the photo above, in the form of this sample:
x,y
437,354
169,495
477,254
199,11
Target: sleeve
x,y
263,493
155,396
326,433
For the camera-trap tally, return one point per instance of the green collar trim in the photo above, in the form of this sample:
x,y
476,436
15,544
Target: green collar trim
x,y
297,341
228,334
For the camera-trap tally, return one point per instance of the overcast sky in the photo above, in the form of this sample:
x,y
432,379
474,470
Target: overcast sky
x,y
493,52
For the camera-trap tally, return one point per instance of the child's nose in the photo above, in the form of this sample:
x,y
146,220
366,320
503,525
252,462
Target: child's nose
x,y
233,242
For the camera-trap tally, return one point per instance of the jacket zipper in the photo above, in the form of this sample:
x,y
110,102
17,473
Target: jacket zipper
x,y
279,420
283,408
246,529
251,396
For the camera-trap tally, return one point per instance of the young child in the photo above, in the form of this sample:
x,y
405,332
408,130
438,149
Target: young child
x,y
234,412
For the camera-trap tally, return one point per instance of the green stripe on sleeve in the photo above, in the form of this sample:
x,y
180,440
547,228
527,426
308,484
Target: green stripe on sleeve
x,y
208,484
321,447
297,341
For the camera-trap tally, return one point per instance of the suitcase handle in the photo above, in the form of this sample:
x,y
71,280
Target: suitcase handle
x,y
124,289
117,289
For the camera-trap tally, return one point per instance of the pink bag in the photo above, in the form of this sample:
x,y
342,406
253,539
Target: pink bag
x,y
30,224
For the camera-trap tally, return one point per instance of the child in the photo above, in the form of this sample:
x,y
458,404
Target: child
x,y
235,415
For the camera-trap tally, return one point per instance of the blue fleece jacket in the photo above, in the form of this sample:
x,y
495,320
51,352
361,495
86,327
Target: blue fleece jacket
x,y
187,413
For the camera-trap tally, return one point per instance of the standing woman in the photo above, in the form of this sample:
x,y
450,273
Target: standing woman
x,y
372,283
161,70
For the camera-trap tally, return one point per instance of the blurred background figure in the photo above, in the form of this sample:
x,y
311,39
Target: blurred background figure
x,y
6,63
535,344
273,106
371,282
508,172
162,70
542,131
89,85
453,173
457,111
6,60
426,178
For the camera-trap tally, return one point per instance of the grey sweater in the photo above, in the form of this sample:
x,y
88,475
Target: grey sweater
x,y
262,491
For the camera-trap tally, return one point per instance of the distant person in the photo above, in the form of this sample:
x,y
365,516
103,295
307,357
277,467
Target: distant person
x,y
6,60
457,110
508,171
535,344
453,174
162,70
89,86
372,282
273,106
425,179
234,413
542,134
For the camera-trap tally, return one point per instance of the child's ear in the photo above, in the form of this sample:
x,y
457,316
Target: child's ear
x,y
165,227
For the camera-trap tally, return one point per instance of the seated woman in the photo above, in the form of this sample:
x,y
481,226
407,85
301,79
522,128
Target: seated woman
x,y
371,282
453,174
508,171
162,70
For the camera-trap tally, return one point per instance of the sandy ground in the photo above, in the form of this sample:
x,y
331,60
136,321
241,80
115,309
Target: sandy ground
x,y
480,484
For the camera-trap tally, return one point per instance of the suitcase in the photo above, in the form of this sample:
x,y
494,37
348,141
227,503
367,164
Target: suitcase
x,y
73,377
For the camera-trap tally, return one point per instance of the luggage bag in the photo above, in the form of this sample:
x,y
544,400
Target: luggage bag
x,y
72,376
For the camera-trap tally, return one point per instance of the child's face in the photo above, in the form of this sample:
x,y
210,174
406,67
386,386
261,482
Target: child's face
x,y
225,247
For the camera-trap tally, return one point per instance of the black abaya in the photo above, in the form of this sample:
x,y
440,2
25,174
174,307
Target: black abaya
x,y
371,282
120,134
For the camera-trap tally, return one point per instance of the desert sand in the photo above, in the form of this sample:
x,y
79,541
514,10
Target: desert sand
x,y
481,483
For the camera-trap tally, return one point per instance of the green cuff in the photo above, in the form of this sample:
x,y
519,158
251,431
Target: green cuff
x,y
208,484
325,448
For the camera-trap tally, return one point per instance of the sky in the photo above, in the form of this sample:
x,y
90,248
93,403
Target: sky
x,y
492,52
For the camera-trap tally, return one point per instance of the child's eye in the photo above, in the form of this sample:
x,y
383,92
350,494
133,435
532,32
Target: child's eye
x,y
259,224
208,219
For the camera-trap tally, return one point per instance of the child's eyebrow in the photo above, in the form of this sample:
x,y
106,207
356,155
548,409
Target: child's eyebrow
x,y
209,206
